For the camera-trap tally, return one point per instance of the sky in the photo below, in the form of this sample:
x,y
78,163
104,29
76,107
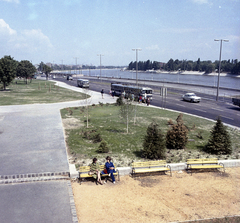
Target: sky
x,y
78,31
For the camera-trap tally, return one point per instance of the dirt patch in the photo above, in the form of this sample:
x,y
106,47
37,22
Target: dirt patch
x,y
71,123
160,198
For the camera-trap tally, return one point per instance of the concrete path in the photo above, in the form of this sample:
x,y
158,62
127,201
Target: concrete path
x,y
33,160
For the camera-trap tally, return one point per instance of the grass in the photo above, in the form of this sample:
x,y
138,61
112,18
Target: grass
x,y
124,148
36,92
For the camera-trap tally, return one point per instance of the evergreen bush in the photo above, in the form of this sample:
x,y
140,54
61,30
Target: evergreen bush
x,y
177,135
119,101
219,141
154,143
103,148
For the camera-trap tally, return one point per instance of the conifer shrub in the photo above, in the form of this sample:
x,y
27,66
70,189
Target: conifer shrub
x,y
103,148
154,143
119,101
177,135
219,141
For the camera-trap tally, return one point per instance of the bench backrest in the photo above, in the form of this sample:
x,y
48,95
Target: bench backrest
x,y
149,164
85,169
202,161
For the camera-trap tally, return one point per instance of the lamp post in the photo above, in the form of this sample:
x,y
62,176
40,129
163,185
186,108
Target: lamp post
x,y
219,68
100,65
137,64
76,64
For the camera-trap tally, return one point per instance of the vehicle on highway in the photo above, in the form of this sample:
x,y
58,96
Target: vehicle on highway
x,y
192,97
128,90
236,101
83,83
69,77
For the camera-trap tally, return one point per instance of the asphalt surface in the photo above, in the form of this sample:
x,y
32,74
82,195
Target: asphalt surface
x,y
208,107
34,174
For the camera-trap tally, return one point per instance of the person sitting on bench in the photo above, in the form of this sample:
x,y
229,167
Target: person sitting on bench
x,y
95,171
110,168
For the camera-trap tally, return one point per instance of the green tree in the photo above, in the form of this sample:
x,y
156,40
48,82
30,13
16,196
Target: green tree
x,y
154,144
46,70
25,69
103,148
7,70
219,141
177,135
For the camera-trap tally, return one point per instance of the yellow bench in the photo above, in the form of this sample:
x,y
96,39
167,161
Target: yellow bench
x,y
150,167
208,163
84,170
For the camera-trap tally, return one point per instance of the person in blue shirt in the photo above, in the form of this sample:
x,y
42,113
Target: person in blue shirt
x,y
110,168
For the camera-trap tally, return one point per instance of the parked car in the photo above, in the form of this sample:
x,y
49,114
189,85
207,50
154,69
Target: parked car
x,y
69,77
192,97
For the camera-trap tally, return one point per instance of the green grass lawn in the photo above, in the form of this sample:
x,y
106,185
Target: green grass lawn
x,y
38,91
124,148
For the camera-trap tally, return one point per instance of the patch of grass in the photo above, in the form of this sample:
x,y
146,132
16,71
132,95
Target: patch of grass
x,y
36,92
124,148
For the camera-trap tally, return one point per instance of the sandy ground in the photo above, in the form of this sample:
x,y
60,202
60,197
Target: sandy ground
x,y
160,198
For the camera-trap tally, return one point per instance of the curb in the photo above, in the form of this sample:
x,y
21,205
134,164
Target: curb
x,y
33,177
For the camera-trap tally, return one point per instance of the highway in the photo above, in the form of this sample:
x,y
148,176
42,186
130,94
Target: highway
x,y
207,108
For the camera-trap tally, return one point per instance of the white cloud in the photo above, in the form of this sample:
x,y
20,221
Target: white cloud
x,y
153,47
200,1
22,44
5,28
14,1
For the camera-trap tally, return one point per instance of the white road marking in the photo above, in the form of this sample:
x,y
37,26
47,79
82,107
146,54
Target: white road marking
x,y
181,105
217,109
199,110
227,117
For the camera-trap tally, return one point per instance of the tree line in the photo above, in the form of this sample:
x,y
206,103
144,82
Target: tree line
x,y
10,69
228,66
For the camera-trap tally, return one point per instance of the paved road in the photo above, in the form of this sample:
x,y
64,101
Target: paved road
x,y
208,108
34,163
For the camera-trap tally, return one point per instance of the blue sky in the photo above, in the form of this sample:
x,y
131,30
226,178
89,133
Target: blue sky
x,y
56,30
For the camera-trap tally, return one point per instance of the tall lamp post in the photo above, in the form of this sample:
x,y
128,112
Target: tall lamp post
x,y
219,68
76,64
100,65
137,64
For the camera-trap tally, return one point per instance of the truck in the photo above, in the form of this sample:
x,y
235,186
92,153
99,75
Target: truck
x,y
236,101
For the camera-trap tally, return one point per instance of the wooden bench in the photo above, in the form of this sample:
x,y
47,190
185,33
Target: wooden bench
x,y
150,167
208,163
84,170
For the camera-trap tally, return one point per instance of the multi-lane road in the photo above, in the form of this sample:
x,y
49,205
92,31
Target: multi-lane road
x,y
207,108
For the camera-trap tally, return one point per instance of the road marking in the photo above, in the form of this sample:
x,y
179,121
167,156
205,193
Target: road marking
x,y
181,105
227,117
217,109
199,110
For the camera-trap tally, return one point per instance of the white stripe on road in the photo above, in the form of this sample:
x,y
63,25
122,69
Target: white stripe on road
x,y
199,110
226,117
217,109
181,105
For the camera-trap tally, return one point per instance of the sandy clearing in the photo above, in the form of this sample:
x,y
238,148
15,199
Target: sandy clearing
x,y
160,198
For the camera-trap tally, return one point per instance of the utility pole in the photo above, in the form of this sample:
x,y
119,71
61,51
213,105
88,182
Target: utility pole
x,y
137,64
100,65
76,64
219,67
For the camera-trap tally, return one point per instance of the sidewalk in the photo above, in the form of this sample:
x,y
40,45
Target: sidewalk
x,y
34,162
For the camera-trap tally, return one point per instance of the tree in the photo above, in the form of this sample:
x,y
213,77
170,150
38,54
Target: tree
x,y
154,144
219,141
46,70
25,69
126,112
176,137
7,70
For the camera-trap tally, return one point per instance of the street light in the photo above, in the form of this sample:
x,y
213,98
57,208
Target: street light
x,y
219,68
76,63
137,64
100,65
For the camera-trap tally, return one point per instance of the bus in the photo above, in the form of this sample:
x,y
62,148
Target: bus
x,y
83,83
128,90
